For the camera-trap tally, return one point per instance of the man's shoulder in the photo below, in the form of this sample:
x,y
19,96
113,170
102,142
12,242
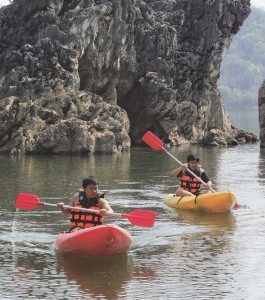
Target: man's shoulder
x,y
201,171
75,196
101,199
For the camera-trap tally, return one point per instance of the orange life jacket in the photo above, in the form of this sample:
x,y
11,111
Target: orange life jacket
x,y
190,183
86,219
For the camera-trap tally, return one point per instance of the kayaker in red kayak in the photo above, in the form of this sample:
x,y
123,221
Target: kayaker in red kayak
x,y
88,197
190,185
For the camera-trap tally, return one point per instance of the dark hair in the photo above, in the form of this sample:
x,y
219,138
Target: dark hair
x,y
89,180
192,157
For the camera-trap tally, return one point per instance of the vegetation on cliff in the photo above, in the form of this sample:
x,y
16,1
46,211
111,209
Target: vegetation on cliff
x,y
243,69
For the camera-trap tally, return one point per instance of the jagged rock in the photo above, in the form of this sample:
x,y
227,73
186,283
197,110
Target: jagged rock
x,y
241,136
75,73
76,123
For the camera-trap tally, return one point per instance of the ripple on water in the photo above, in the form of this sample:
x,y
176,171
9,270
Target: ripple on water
x,y
186,255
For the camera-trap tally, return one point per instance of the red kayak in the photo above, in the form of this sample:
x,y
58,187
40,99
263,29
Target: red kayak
x,y
103,240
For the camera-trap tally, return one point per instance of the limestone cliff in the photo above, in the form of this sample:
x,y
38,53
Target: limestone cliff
x,y
262,114
83,75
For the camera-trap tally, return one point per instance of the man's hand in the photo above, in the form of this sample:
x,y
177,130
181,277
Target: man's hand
x,y
65,211
60,205
184,167
208,185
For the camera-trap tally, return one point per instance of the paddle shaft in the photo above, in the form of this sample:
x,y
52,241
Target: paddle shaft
x,y
212,190
81,208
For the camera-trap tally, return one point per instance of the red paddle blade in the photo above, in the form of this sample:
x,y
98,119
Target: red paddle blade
x,y
27,201
236,206
140,217
153,141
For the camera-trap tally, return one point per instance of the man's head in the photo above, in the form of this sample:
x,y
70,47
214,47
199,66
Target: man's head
x,y
193,162
90,186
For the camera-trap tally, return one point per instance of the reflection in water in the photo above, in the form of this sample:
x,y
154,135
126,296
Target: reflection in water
x,y
186,255
59,176
223,221
102,276
95,276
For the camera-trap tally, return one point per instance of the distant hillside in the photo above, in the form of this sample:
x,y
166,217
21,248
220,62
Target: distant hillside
x,y
243,69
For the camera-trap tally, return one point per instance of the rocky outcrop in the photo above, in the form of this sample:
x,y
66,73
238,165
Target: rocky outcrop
x,y
79,123
59,64
82,75
262,114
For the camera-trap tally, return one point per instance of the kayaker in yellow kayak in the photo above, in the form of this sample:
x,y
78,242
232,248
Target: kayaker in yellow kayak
x,y
190,185
88,197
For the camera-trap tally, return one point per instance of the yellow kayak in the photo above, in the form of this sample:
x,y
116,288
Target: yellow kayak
x,y
212,202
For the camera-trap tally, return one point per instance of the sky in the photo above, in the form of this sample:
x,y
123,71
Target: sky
x,y
4,2
258,3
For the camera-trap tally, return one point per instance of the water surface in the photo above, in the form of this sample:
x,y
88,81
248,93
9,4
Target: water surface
x,y
186,255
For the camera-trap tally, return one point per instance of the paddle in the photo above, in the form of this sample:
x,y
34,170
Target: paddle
x,y
145,218
154,142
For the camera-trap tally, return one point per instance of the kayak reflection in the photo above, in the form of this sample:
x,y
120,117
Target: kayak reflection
x,y
224,220
101,276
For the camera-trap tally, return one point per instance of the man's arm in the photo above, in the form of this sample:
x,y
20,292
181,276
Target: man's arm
x,y
104,206
67,211
174,174
206,179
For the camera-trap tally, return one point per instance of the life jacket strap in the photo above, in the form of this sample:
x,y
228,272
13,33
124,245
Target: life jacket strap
x,y
180,199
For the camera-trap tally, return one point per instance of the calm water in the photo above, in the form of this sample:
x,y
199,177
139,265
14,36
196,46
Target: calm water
x,y
186,255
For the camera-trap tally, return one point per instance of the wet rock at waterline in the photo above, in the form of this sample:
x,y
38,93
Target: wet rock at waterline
x,y
76,122
81,76
262,114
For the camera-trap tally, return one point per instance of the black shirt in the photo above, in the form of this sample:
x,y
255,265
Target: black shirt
x,y
200,173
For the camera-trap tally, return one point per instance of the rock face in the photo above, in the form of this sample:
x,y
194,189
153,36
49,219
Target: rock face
x,y
81,76
262,114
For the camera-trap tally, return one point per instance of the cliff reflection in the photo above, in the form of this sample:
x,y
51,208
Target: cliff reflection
x,y
52,176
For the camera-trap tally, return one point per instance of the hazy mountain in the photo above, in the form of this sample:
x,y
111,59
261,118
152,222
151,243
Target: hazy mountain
x,y
243,69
